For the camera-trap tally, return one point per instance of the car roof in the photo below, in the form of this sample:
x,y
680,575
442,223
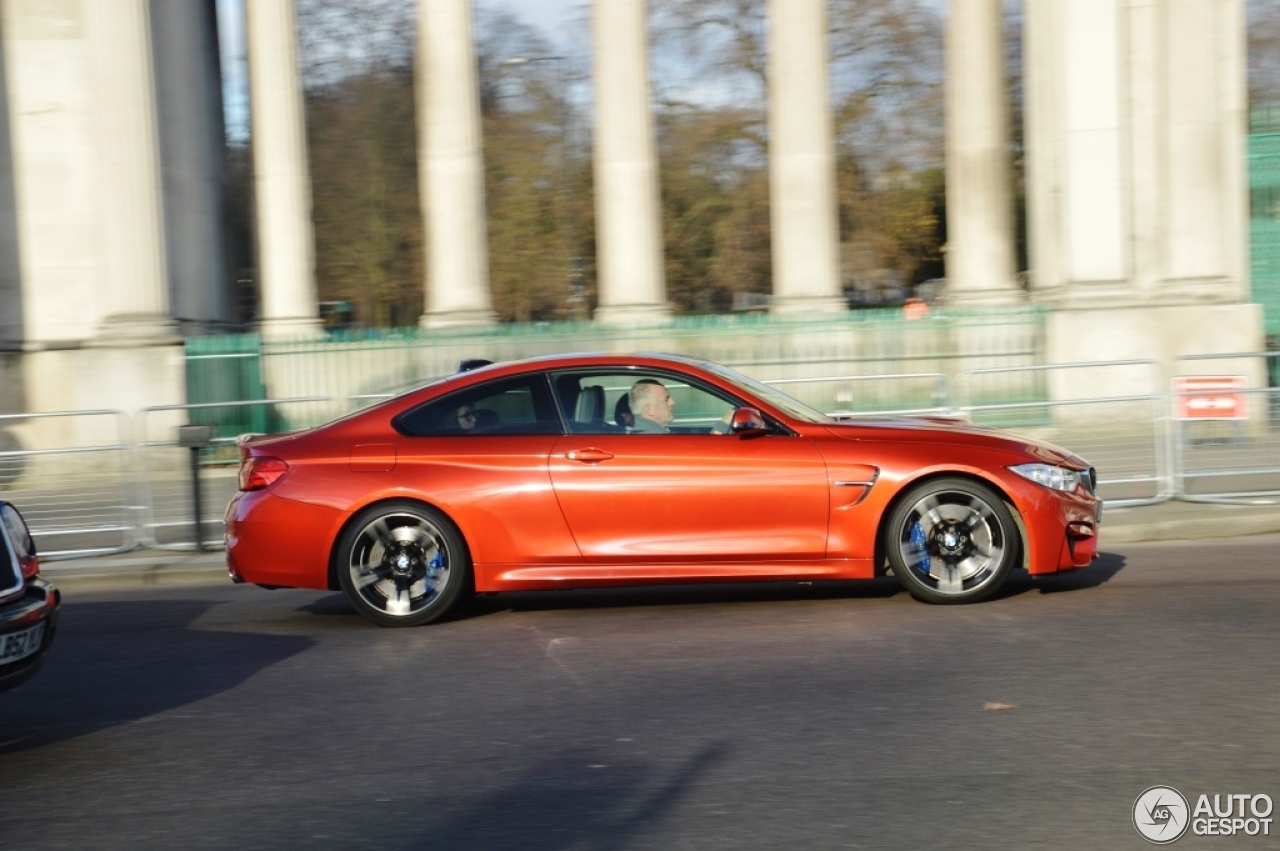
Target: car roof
x,y
578,359
566,360
605,358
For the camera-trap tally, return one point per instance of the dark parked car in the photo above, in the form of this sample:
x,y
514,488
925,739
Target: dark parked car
x,y
28,603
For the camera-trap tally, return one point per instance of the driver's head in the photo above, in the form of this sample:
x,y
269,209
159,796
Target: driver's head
x,y
649,399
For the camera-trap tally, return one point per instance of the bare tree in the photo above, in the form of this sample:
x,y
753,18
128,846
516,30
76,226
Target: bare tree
x,y
358,75
537,167
710,70
886,72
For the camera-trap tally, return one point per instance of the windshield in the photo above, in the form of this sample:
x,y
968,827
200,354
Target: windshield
x,y
772,395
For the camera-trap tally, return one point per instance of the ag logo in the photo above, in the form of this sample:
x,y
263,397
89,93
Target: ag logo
x,y
1160,814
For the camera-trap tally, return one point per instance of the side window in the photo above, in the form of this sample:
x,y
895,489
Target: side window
x,y
596,402
518,405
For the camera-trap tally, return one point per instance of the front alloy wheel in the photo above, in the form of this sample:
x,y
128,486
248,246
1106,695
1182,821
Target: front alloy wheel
x,y
952,541
402,564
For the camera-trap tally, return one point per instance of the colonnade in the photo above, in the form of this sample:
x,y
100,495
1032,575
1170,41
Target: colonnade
x,y
1135,116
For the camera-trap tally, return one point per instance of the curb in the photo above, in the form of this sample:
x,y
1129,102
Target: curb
x,y
1190,522
114,578
129,570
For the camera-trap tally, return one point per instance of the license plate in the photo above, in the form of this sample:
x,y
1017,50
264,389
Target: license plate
x,y
20,645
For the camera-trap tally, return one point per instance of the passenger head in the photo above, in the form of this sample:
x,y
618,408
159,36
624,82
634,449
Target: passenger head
x,y
622,411
465,418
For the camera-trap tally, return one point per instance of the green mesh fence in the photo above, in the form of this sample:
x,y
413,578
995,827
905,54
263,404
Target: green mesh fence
x,y
354,368
1264,211
228,368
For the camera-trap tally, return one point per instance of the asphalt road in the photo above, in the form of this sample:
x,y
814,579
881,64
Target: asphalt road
x,y
742,717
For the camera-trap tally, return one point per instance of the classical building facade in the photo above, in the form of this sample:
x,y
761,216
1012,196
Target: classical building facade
x,y
111,235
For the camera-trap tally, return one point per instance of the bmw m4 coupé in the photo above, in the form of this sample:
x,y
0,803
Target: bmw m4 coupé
x,y
607,470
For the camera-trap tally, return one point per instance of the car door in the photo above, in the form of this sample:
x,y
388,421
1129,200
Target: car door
x,y
481,453
689,495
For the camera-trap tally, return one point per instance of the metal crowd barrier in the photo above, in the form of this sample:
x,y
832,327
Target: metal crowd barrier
x,y
78,494
903,394
82,495
366,400
1226,410
1124,435
167,519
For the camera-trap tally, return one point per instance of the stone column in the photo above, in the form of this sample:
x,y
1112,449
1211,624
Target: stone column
x,y
1081,197
451,168
286,243
1135,152
53,138
1136,182
632,285
980,233
134,286
1205,98
12,314
192,153
802,176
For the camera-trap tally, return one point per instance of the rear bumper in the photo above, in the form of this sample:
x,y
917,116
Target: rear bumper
x,y
39,604
275,541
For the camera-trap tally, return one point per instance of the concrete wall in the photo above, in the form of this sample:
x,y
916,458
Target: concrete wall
x,y
1161,334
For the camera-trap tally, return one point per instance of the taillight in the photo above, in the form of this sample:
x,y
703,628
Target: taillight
x,y
257,473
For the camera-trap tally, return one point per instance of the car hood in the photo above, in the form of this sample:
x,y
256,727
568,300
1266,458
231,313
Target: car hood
x,y
956,432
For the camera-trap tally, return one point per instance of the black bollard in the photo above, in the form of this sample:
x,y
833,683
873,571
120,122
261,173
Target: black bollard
x,y
195,438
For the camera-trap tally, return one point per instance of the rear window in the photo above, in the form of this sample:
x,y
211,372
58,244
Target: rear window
x,y
520,405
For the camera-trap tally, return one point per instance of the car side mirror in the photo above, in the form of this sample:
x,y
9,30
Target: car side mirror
x,y
748,422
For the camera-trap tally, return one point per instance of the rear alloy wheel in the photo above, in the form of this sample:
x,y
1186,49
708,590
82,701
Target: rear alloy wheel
x,y
952,541
402,564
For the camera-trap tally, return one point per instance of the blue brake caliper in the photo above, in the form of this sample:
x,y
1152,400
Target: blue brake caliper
x,y
433,566
919,548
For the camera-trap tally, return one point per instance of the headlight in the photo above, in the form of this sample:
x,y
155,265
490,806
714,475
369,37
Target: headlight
x,y
1057,478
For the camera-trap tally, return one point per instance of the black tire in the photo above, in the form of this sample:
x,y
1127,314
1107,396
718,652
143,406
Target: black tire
x,y
402,564
952,541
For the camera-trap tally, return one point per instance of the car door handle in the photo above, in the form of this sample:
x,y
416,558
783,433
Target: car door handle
x,y
588,456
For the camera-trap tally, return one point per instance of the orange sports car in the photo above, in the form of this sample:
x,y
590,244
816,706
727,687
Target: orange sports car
x,y
605,470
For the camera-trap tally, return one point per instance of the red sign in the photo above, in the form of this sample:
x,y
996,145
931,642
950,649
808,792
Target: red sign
x,y
1209,397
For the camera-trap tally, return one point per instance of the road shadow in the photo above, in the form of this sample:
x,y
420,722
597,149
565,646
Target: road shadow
x,y
584,797
1100,571
332,605
701,594
1103,568
114,662
577,801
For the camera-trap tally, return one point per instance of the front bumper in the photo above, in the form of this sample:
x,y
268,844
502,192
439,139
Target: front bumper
x,y
1064,532
39,604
